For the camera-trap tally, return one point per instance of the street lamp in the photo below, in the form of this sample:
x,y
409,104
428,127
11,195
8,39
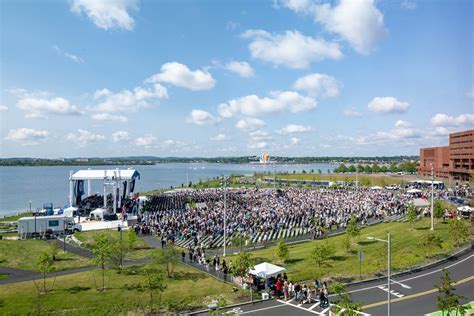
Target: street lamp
x,y
389,281
225,213
432,195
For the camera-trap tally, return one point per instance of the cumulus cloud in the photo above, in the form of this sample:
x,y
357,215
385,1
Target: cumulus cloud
x,y
3,108
388,105
259,145
443,120
360,23
409,5
259,136
220,137
291,49
249,124
83,138
318,84
26,136
295,140
352,112
146,141
201,117
180,75
39,107
402,132
109,117
470,93
70,56
293,128
278,101
127,100
241,68
107,14
119,136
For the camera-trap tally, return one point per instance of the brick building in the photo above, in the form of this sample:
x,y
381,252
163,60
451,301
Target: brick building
x,y
455,161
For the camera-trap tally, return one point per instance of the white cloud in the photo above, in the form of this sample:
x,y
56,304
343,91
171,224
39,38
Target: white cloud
x,y
318,84
258,136
291,49
107,14
259,145
84,138
146,141
220,137
293,128
3,108
241,68
295,140
388,105
109,117
180,75
70,56
119,136
409,5
39,107
128,101
26,136
401,133
279,101
201,117
249,124
360,23
443,120
470,93
352,112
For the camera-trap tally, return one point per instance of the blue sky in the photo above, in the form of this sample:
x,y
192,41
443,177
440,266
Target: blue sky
x,y
214,78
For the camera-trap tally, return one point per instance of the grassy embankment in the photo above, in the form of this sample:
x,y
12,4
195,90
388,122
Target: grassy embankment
x,y
22,254
76,294
408,250
14,217
364,179
140,251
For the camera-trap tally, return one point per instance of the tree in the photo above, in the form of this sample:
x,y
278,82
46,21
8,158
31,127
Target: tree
x,y
448,300
431,241
319,171
352,229
242,264
167,257
321,253
375,168
44,265
103,251
131,239
344,301
282,251
393,168
458,231
360,168
368,169
346,243
153,282
438,210
53,250
411,215
352,169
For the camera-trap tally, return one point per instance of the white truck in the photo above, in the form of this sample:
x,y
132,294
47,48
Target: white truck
x,y
53,225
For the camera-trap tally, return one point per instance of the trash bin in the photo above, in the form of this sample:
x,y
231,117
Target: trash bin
x,y
265,296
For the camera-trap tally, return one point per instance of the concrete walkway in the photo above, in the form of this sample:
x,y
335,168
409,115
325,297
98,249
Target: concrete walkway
x,y
82,252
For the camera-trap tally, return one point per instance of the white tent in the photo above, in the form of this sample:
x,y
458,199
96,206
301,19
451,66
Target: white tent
x,y
420,202
376,188
112,174
267,270
414,191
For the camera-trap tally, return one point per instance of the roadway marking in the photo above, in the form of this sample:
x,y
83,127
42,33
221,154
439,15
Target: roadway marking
x,y
471,278
261,309
314,306
412,278
394,293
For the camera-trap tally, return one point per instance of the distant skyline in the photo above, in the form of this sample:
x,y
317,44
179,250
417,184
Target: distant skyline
x,y
83,78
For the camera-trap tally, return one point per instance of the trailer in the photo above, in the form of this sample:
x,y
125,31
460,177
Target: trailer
x,y
45,226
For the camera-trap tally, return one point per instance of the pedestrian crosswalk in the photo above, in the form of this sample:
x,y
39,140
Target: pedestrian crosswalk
x,y
315,308
393,292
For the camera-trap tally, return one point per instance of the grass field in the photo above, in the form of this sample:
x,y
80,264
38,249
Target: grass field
x,y
22,254
407,250
76,294
364,179
14,218
141,250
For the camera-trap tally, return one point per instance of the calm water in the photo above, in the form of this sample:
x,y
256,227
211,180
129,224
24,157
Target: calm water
x,y
19,185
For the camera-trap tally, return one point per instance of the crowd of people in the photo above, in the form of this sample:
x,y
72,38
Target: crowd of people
x,y
199,213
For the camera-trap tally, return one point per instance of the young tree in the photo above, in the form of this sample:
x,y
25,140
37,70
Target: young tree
x,y
431,241
352,169
153,282
344,301
103,252
53,250
438,210
360,168
242,264
411,215
448,300
131,239
282,251
458,231
321,253
167,257
352,229
346,242
44,265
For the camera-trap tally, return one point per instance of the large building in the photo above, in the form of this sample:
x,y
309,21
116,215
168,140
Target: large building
x,y
455,161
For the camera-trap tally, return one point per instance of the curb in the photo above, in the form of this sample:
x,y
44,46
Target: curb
x,y
228,307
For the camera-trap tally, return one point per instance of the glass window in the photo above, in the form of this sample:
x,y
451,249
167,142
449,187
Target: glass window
x,y
54,223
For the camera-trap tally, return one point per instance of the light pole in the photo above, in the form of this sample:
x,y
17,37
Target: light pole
x,y
432,196
121,245
389,280
225,213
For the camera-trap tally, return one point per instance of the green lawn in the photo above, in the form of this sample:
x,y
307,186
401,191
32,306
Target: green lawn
x,y
407,251
3,276
14,218
22,254
141,250
364,179
76,294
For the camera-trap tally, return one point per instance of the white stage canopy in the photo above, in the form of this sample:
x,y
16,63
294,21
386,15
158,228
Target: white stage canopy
x,y
376,188
111,174
413,191
267,270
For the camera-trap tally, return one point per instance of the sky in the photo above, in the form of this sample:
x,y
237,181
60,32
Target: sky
x,y
102,78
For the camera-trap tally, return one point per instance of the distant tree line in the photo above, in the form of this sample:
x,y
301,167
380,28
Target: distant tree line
x,y
407,167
